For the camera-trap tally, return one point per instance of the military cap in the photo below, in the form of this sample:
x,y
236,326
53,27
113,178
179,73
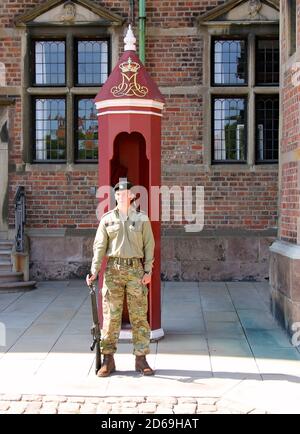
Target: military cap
x,y
123,185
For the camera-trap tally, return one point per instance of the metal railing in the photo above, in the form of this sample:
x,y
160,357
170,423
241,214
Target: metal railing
x,y
20,218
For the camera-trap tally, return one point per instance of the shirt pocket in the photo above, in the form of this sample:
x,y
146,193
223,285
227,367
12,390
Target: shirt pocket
x,y
135,234
113,229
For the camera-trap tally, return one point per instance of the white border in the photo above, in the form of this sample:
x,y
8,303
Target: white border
x,y
130,102
117,112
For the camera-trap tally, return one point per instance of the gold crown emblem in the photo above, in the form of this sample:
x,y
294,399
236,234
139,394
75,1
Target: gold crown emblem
x,y
130,66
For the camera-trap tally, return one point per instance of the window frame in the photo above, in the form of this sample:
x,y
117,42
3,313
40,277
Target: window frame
x,y
249,90
257,161
33,62
227,96
75,59
257,39
212,63
76,159
292,45
33,111
69,91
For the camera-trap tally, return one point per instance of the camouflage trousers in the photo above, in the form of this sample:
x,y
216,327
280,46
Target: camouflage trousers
x,y
117,280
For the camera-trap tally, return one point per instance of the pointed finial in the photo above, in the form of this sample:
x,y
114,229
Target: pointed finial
x,y
129,40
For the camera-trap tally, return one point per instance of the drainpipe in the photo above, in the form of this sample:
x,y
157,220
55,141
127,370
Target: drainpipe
x,y
131,13
142,25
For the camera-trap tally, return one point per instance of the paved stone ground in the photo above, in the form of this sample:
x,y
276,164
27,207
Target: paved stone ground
x,y
222,353
38,404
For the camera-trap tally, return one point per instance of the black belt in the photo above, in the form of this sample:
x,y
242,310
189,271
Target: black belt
x,y
125,261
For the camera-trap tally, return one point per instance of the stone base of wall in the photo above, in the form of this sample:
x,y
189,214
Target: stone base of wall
x,y
60,257
183,258
215,258
285,284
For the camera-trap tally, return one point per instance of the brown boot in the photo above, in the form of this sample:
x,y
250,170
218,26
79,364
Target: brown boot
x,y
142,366
108,366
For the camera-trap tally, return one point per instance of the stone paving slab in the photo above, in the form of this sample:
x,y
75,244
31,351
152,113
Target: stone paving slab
x,y
222,353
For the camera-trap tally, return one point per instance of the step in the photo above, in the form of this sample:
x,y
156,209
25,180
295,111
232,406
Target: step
x,y
11,276
5,251
5,256
17,286
6,244
5,266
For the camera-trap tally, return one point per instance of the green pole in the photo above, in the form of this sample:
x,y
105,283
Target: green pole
x,y
142,22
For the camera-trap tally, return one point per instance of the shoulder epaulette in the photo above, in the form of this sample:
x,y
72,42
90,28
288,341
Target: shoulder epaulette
x,y
106,213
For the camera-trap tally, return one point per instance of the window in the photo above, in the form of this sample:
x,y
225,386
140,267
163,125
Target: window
x,y
92,62
86,130
267,123
49,63
65,75
50,129
229,118
229,62
238,102
267,61
292,26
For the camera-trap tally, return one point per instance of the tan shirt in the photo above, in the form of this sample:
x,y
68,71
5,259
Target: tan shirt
x,y
124,238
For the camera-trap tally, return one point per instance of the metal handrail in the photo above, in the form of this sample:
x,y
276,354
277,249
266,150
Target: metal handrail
x,y
20,218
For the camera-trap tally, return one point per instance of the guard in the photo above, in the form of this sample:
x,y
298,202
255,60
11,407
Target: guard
x,y
125,236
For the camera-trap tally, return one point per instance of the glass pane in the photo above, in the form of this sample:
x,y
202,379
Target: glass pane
x,y
229,134
267,62
87,130
267,123
50,63
50,129
230,62
92,62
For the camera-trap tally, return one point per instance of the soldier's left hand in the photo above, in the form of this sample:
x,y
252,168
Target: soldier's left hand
x,y
146,279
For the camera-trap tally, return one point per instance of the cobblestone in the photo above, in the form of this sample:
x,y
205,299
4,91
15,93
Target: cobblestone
x,y
32,398
4,405
185,409
35,404
162,400
147,408
68,407
164,410
206,408
54,398
8,397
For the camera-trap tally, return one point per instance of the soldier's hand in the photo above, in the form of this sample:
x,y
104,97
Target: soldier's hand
x,y
146,279
90,278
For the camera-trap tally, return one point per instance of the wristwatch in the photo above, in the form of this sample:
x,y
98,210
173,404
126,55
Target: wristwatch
x,y
148,272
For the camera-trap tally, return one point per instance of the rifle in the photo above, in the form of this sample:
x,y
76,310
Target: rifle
x,y
95,330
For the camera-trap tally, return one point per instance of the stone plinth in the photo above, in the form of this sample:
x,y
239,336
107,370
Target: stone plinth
x,y
285,283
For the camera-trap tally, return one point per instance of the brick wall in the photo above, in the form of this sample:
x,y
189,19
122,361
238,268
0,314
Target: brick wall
x,y
233,198
290,138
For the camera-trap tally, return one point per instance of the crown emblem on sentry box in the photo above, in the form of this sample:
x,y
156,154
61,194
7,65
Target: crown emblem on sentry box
x,y
129,85
130,66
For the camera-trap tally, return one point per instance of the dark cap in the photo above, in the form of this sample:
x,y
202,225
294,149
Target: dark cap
x,y
123,185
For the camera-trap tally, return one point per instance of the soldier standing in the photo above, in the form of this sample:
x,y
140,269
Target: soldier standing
x,y
125,236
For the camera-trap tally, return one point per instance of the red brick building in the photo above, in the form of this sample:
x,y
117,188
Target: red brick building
x,y
217,65
285,251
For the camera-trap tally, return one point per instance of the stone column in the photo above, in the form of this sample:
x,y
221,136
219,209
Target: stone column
x,y
3,171
285,251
